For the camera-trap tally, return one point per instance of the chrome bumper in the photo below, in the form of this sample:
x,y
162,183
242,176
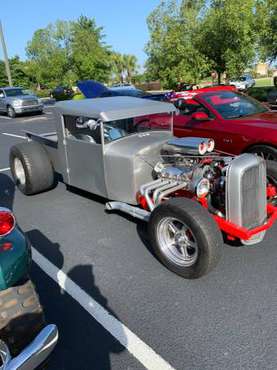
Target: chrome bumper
x,y
34,354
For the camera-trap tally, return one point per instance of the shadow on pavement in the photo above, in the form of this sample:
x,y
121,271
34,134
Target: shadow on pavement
x,y
7,190
83,343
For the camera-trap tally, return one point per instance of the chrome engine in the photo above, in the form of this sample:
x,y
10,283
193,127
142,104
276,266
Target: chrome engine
x,y
235,187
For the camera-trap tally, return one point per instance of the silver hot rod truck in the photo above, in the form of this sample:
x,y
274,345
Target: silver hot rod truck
x,y
123,149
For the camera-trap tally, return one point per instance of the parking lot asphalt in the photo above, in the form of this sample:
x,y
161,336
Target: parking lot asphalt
x,y
225,320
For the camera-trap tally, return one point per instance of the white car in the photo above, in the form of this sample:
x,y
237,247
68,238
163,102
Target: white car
x,y
243,83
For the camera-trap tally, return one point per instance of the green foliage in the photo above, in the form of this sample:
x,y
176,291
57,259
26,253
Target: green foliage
x,y
260,93
266,15
172,56
124,67
189,39
90,55
67,51
227,35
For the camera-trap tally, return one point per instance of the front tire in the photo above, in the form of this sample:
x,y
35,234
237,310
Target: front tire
x,y
269,153
11,112
31,168
185,238
21,316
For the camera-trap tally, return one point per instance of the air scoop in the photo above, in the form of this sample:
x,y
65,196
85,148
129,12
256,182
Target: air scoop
x,y
188,145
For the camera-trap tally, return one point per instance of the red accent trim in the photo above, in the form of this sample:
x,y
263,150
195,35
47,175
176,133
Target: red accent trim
x,y
271,191
243,233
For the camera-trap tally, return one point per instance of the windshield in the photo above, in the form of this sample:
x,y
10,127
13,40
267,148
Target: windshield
x,y
230,104
14,92
115,130
242,78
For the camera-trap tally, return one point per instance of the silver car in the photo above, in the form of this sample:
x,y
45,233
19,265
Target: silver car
x,y
243,83
14,100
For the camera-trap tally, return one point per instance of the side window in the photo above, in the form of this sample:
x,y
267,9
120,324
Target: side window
x,y
2,94
82,128
188,107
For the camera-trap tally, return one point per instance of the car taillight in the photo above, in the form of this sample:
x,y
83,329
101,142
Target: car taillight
x,y
7,222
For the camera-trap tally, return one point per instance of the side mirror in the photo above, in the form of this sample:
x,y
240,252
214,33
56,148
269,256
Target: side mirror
x,y
1,95
200,116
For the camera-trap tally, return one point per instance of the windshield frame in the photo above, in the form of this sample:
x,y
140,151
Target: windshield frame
x,y
214,107
144,132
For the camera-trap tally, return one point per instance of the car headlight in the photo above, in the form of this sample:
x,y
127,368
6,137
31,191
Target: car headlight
x,y
17,103
202,188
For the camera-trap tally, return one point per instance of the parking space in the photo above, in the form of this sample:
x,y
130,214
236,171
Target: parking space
x,y
225,320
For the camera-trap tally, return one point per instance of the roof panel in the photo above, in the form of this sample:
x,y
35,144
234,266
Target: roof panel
x,y
113,108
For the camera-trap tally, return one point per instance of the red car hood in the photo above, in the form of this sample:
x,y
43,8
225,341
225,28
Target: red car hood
x,y
266,120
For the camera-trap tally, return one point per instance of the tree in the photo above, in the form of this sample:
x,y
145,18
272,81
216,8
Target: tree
x,y
48,52
124,66
172,55
227,35
67,51
266,13
90,55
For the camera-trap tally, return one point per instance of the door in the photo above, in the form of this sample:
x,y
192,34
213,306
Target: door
x,y
2,101
215,128
84,157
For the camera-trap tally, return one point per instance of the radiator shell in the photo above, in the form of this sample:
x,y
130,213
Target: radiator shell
x,y
246,192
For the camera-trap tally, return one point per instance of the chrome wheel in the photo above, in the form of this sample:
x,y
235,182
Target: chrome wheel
x,y
19,171
177,241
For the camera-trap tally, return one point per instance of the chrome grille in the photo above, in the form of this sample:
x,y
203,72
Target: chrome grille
x,y
26,103
251,190
246,191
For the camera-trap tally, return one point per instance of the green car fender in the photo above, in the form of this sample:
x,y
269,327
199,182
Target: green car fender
x,y
15,258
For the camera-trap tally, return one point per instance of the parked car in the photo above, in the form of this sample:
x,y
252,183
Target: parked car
x,y
123,149
173,96
243,83
14,100
25,338
94,89
62,93
237,122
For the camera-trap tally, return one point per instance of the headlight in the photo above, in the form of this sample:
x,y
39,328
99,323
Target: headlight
x,y
202,188
17,103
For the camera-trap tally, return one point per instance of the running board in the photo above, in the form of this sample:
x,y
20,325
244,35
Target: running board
x,y
135,212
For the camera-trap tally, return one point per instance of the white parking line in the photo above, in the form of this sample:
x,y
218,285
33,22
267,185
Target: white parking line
x,y
13,135
4,169
140,350
35,119
4,117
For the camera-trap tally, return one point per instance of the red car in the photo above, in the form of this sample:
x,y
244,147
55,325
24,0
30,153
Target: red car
x,y
237,122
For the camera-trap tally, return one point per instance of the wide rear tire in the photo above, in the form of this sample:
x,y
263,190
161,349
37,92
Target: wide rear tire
x,y
31,168
185,238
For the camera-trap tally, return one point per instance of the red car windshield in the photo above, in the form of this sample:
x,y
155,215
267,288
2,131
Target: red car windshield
x,y
230,104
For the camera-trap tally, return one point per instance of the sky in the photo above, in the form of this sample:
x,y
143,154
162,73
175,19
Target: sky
x,y
124,21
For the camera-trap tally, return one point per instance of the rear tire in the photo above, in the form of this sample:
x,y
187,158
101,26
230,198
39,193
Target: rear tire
x,y
11,112
31,168
21,316
192,247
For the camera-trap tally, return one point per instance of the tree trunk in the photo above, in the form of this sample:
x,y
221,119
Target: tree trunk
x,y
218,77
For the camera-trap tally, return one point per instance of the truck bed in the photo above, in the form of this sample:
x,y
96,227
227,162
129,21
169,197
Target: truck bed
x,y
49,138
